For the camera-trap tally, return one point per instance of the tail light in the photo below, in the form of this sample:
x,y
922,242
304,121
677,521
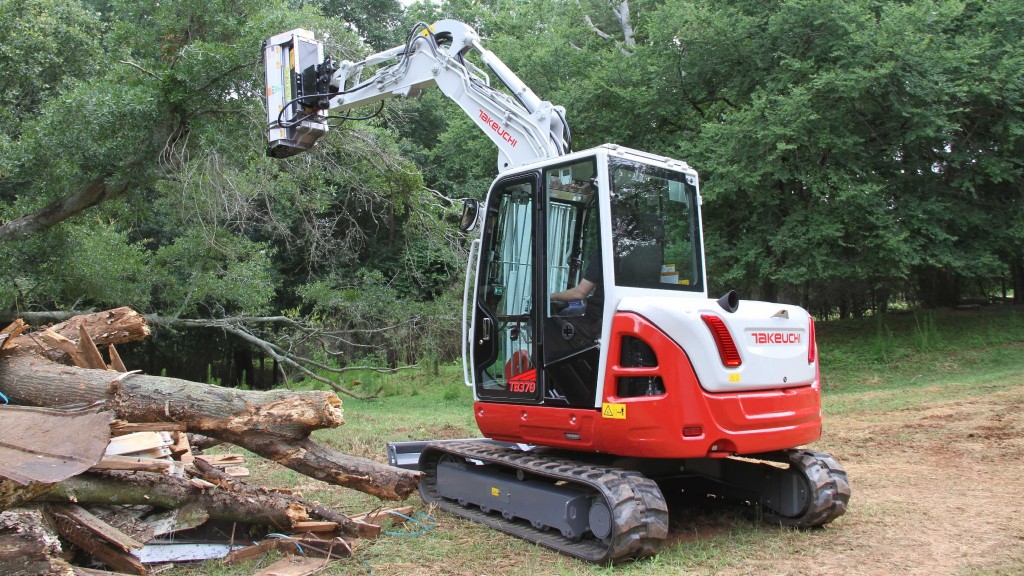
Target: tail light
x,y
812,346
727,350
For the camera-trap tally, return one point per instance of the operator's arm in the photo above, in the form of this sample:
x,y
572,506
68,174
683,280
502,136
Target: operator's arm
x,y
577,292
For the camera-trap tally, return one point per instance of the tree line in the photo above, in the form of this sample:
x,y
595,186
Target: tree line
x,y
854,155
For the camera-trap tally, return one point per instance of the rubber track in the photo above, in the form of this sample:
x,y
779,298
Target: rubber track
x,y
639,511
829,489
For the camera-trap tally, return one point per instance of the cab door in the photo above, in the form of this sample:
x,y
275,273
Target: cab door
x,y
574,258
505,345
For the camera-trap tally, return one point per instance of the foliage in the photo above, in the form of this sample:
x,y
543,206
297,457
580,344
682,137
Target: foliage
x,y
855,156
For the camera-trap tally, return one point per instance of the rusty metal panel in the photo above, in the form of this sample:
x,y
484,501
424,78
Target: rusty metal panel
x,y
48,445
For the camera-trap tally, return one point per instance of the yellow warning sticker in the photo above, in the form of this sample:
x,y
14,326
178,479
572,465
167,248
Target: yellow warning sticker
x,y
734,378
615,411
495,492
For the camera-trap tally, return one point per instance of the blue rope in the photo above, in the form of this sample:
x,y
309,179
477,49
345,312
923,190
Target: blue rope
x,y
6,401
424,527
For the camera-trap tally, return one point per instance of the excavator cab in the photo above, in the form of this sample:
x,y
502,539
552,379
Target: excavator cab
x,y
628,223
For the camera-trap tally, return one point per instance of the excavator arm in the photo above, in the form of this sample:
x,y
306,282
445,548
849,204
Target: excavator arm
x,y
305,91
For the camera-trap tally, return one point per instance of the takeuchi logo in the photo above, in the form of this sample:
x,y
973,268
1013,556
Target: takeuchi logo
x,y
501,132
776,337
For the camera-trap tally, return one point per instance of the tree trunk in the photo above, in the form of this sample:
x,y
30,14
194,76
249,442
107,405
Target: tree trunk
x,y
274,424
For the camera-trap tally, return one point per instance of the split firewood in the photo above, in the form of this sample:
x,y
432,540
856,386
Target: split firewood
x,y
139,442
100,540
314,526
134,463
89,351
127,520
95,525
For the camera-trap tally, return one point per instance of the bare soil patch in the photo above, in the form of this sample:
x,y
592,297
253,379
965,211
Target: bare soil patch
x,y
937,489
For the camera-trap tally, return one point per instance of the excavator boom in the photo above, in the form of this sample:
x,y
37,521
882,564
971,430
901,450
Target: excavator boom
x,y
303,87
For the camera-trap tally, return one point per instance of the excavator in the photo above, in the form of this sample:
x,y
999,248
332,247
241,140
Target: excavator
x,y
605,379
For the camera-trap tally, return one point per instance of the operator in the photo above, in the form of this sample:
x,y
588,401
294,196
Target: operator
x,y
589,284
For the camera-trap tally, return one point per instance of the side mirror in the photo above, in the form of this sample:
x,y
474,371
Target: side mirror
x,y
729,302
470,212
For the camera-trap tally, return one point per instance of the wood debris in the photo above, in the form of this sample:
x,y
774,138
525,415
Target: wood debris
x,y
145,495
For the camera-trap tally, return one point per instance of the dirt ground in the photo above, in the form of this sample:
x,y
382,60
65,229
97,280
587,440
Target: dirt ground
x,y
937,489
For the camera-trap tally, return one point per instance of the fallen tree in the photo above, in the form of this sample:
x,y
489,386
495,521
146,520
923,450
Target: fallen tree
x,y
274,424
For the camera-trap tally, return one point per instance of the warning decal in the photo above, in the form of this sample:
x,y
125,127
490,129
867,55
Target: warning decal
x,y
614,411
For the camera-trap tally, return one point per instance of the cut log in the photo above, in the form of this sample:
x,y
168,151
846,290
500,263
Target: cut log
x,y
227,482
274,424
117,326
15,493
29,545
170,492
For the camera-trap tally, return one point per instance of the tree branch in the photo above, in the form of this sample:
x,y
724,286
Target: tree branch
x,y
87,196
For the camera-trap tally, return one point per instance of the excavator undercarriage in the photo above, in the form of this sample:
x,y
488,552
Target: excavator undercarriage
x,y
583,505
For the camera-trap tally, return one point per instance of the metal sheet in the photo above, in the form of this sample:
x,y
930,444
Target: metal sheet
x,y
159,552
48,445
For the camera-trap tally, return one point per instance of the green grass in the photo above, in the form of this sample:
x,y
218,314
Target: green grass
x,y
868,365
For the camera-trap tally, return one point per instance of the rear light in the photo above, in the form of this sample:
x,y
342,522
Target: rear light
x,y
812,346
723,339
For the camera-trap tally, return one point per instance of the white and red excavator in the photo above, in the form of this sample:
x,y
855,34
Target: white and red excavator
x,y
596,408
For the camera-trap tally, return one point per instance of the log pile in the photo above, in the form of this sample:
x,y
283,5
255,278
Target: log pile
x,y
149,482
